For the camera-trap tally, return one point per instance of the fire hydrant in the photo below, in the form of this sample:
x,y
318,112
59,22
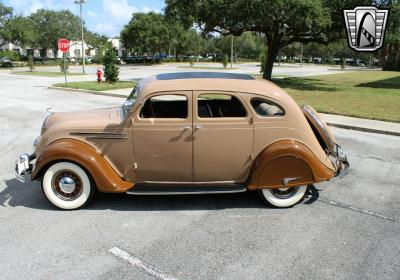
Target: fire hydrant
x,y
99,74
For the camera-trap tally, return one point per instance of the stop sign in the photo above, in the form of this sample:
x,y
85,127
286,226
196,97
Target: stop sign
x,y
63,45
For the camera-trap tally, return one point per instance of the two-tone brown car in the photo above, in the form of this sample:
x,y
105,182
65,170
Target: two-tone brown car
x,y
186,133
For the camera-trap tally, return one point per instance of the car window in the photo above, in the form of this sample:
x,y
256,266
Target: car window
x,y
219,106
266,108
165,106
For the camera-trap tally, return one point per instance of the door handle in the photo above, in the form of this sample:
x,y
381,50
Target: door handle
x,y
198,126
186,127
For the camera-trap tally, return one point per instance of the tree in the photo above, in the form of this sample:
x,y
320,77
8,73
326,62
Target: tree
x,y
53,25
281,22
146,33
152,33
111,69
390,53
20,30
5,15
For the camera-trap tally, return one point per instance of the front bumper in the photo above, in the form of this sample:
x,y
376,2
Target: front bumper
x,y
340,161
23,167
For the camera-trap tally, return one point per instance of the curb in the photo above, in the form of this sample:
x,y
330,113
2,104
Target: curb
x,y
364,129
89,91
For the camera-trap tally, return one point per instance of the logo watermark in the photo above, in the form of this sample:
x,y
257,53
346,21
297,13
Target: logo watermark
x,y
365,28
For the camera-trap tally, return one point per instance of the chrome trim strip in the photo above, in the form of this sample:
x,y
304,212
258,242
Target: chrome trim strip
x,y
286,181
183,192
100,135
189,183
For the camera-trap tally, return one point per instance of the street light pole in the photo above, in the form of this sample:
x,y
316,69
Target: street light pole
x,y
80,2
231,51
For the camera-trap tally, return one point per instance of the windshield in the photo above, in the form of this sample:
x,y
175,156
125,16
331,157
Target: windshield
x,y
134,94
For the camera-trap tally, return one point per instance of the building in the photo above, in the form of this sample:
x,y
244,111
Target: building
x,y
74,50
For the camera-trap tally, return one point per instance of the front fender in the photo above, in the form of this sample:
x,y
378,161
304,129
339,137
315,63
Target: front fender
x,y
290,160
105,177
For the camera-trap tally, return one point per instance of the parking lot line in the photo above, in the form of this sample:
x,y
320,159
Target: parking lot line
x,y
139,264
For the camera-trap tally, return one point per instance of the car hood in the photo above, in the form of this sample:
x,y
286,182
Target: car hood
x,y
106,118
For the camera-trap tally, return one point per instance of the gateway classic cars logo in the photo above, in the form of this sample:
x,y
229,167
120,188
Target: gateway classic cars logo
x,y
365,28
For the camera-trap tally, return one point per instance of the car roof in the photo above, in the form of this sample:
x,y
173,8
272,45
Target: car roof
x,y
209,81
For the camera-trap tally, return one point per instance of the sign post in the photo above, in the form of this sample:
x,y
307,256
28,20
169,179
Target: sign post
x,y
63,45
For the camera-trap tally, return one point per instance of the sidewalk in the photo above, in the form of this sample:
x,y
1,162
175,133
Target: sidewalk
x,y
373,126
362,124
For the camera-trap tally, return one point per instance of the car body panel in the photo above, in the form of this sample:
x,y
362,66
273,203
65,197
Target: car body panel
x,y
259,151
105,177
163,147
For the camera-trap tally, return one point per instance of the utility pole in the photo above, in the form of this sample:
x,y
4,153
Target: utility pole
x,y
80,2
231,51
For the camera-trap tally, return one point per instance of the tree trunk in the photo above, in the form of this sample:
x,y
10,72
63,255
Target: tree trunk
x,y
272,52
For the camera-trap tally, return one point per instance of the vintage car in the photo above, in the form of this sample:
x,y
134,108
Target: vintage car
x,y
186,133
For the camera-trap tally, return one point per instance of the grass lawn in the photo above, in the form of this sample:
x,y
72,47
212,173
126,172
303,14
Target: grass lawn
x,y
93,85
206,67
363,94
47,73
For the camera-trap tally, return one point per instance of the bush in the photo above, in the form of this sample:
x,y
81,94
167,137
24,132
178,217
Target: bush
x,y
343,63
31,64
64,66
225,61
11,55
111,68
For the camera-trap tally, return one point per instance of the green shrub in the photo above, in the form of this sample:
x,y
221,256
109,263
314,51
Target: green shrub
x,y
342,63
11,55
111,68
31,64
225,61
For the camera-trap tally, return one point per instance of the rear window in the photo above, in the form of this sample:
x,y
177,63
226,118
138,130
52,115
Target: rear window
x,y
266,108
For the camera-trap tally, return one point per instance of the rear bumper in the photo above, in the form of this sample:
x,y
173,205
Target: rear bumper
x,y
340,161
23,167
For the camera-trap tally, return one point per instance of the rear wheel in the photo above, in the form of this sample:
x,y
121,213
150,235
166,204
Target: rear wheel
x,y
283,197
67,186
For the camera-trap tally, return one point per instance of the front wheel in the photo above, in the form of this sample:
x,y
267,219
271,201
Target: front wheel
x,y
67,186
283,197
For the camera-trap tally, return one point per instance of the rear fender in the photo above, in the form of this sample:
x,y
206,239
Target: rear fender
x,y
287,163
105,177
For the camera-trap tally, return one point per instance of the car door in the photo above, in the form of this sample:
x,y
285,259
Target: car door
x,y
162,138
222,137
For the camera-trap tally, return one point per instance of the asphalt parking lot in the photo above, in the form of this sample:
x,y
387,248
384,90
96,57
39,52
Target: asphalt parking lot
x,y
348,228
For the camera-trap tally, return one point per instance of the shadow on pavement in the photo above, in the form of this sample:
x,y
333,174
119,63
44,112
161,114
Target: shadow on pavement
x,y
31,196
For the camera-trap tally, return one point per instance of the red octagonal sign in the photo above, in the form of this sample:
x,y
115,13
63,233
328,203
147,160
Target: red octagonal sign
x,y
63,45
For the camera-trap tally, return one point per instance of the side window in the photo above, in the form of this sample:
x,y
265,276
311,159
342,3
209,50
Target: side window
x,y
165,106
266,108
220,106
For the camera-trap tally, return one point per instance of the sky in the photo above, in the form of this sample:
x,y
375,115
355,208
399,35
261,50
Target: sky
x,y
103,16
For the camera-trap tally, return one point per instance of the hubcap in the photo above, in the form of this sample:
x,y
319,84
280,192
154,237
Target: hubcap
x,y
67,185
284,193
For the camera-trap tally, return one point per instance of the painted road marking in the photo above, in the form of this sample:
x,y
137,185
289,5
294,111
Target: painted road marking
x,y
139,264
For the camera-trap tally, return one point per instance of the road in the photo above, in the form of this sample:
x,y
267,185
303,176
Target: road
x,y
346,229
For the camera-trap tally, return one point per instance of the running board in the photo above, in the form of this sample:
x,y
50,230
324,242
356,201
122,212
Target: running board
x,y
163,189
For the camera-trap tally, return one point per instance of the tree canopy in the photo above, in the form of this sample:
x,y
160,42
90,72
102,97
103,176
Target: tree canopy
x,y
281,22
